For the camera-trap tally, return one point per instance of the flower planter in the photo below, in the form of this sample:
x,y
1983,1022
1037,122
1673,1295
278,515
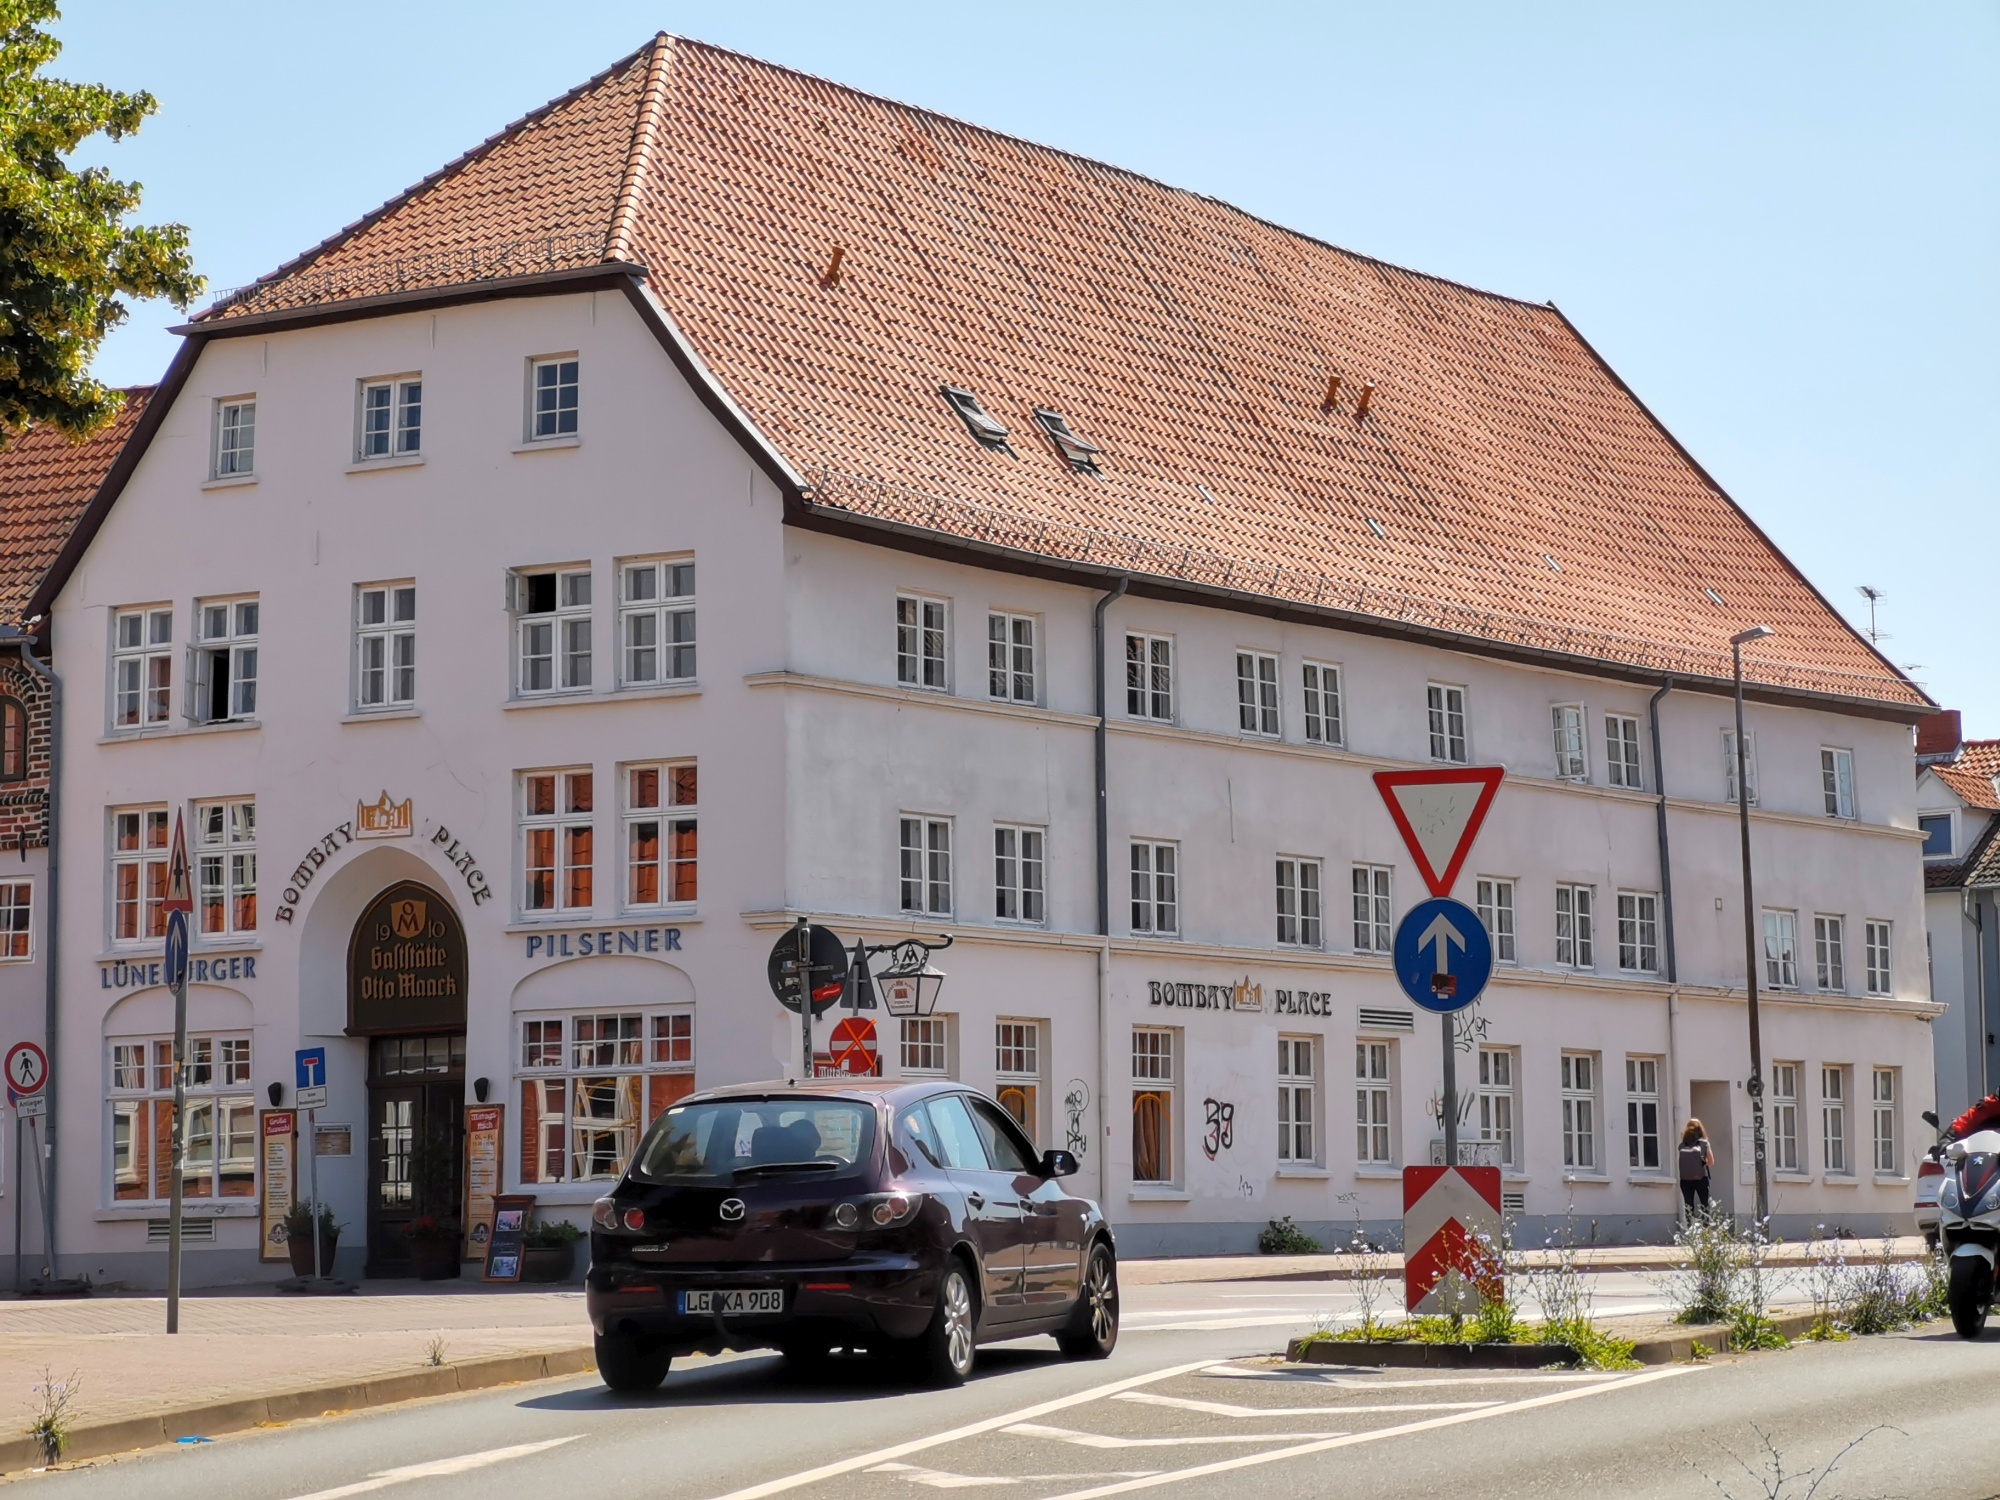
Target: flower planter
x,y
435,1260
1409,1354
299,1248
548,1262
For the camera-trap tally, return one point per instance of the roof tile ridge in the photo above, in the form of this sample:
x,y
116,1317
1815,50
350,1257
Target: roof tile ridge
x,y
639,160
458,163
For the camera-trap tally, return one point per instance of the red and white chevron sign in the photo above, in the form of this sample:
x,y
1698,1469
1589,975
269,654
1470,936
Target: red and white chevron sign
x,y
1446,1211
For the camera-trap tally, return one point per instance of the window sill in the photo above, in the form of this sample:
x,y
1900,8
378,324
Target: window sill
x,y
1304,1174
1643,1179
687,689
372,465
1791,1177
1841,1179
174,731
1891,1179
1159,1195
551,700
1586,1179
380,715
586,922
1380,1171
229,481
543,445
241,1208
149,950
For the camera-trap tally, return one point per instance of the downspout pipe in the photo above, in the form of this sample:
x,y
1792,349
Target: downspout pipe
x,y
1103,898
1660,830
52,944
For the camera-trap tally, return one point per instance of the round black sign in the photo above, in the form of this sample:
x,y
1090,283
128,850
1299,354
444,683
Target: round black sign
x,y
828,971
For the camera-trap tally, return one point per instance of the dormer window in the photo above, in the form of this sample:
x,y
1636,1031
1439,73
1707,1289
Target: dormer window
x,y
985,429
1079,452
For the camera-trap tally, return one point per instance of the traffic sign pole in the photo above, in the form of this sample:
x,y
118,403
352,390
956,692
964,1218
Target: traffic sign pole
x,y
1450,1089
805,997
179,907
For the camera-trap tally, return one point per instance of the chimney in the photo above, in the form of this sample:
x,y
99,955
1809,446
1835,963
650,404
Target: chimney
x,y
1939,735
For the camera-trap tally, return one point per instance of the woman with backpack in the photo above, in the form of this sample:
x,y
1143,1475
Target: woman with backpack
x,y
1697,1161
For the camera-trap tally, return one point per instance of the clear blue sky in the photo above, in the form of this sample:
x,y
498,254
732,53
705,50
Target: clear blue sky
x,y
1779,222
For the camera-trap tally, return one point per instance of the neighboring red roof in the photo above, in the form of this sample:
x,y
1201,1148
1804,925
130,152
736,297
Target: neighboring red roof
x,y
45,482
1523,496
1971,775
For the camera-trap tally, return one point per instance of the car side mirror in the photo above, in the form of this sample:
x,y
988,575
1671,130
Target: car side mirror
x,y
1929,1117
1059,1164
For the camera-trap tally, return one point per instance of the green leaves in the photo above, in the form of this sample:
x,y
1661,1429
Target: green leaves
x,y
67,255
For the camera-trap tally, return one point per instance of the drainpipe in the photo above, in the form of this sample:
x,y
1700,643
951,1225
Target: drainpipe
x,y
1669,1129
52,945
1103,898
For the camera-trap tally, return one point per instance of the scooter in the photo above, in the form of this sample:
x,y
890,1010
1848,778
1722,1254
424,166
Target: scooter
x,y
1969,1226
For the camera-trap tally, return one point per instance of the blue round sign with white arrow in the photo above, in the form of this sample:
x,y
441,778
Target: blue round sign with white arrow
x,y
1443,955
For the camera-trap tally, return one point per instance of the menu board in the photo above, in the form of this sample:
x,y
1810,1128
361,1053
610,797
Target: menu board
x,y
482,1175
278,1138
510,1230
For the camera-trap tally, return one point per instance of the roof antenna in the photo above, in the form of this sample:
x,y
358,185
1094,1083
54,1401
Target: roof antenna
x,y
832,277
1332,397
1367,395
1874,596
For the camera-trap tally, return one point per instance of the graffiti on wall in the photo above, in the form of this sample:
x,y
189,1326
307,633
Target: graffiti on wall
x,y
1076,1099
1221,1132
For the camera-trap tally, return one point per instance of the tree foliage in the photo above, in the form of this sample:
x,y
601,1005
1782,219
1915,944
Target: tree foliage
x,y
67,254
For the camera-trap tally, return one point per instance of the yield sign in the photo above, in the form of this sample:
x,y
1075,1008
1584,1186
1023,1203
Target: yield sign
x,y
1439,813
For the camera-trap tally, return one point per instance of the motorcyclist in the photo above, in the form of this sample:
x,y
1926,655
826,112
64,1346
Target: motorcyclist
x,y
1985,1115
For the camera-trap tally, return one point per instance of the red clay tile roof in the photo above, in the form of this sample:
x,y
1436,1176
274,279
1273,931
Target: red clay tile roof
x,y
1523,494
1971,775
45,482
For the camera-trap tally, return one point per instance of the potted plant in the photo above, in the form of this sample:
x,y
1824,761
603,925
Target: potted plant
x,y
548,1250
433,1243
298,1238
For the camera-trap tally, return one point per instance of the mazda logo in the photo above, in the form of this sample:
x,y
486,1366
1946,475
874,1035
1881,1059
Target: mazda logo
x,y
731,1210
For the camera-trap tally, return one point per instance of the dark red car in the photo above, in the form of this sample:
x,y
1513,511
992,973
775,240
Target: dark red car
x,y
905,1218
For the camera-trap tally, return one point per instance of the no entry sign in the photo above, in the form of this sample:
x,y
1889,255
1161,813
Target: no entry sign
x,y
852,1046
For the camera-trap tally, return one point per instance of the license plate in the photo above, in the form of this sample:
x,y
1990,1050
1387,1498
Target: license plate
x,y
734,1302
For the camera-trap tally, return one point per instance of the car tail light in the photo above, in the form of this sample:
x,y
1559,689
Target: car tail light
x,y
634,1219
1928,1168
604,1214
887,1210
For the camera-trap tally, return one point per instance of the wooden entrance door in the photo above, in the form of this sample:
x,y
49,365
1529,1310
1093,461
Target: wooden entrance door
x,y
416,1141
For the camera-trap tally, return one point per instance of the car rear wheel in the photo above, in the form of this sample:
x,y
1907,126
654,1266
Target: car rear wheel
x,y
942,1353
625,1363
1093,1328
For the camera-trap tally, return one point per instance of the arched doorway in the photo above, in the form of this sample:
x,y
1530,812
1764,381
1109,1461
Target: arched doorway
x,y
406,982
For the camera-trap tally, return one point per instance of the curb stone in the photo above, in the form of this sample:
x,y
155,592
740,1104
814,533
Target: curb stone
x,y
1654,1351
211,1419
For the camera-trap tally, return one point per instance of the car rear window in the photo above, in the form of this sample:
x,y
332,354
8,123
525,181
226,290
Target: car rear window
x,y
728,1138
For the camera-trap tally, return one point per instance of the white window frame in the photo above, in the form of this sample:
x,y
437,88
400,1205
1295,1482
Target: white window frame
x,y
1013,663
1570,726
1257,694
1494,900
1156,888
1156,1071
656,620
1299,1132
925,1046
1830,952
139,1085
1785,1156
614,1051
1373,888
1301,893
1836,775
660,810
1018,1056
567,648
1623,766
1576,926
923,642
1020,874
17,919
1639,932
388,418
142,672
233,446
1729,765
147,858
549,418
1496,1109
924,854
1781,948
233,649
1325,708
1580,1112
1642,1115
1835,1092
1445,712
572,840
1884,1094
1149,677
1950,851
1374,1102
1880,952
225,867
385,646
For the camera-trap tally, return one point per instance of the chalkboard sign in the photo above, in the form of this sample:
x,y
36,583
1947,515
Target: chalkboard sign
x,y
510,1231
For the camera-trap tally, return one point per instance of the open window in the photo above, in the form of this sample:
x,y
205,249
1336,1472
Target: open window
x,y
987,430
222,662
1080,453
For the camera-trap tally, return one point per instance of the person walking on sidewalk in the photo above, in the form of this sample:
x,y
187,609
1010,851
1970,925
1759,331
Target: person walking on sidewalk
x,y
1697,1162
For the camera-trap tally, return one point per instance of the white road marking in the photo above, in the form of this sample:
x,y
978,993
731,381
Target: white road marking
x,y
971,1429
1224,1409
1103,1440
1377,1383
1348,1440
437,1468
1212,1322
944,1479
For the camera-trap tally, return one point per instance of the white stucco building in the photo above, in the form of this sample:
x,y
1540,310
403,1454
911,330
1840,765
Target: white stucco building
x,y
640,535
1958,811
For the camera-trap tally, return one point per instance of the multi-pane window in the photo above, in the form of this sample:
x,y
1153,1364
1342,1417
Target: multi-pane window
x,y
1833,1118
1493,1102
13,739
1836,775
1830,953
225,863
1154,1158
1372,932
656,621
1299,902
1572,757
1149,677
1257,692
926,1044
590,1084
235,437
920,642
1884,1098
1785,1117
1298,1112
17,920
1642,1113
1017,1072
552,629
1781,950
220,1141
142,670
1621,751
1010,657
1156,887
385,645
1639,932
1446,710
1495,904
392,418
138,873
1749,766
925,867
1575,926
558,840
223,679
552,404
1018,894
1579,1111
1372,1142
1322,703
660,834
1877,945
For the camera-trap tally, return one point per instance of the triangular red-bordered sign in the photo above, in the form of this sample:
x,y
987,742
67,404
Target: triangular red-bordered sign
x,y
1438,814
180,890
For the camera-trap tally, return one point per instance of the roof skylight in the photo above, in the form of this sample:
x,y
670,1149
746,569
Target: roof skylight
x,y
1079,452
989,432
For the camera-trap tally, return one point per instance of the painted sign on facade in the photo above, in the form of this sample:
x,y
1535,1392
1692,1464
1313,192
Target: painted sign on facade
x,y
406,964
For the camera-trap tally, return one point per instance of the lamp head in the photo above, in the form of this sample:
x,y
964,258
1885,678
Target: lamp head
x,y
1754,633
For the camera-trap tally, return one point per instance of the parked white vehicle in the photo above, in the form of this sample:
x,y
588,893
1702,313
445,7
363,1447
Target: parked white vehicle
x,y
1969,1227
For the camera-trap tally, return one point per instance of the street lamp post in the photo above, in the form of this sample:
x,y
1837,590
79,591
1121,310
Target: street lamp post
x,y
1756,1083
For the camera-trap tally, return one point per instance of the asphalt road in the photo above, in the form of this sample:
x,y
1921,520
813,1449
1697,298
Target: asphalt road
x,y
1189,1406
